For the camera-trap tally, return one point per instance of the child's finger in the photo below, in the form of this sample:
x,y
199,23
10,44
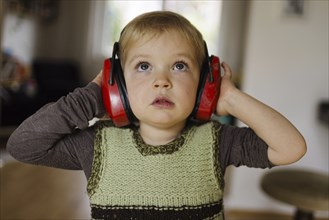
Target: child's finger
x,y
98,78
227,70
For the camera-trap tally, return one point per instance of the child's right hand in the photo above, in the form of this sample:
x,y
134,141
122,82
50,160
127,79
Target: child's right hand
x,y
98,78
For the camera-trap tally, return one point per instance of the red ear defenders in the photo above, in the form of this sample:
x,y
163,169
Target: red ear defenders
x,y
116,101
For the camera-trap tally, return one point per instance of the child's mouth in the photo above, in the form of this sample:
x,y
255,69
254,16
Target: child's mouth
x,y
162,102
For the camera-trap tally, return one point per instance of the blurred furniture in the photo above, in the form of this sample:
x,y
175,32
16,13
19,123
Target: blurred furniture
x,y
52,78
55,78
307,191
323,112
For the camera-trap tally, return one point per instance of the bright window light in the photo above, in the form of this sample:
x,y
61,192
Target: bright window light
x,y
205,15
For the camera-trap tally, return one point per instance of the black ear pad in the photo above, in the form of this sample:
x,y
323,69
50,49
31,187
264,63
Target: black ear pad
x,y
114,91
208,89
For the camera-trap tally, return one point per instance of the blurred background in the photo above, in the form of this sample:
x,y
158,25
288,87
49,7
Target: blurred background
x,y
278,51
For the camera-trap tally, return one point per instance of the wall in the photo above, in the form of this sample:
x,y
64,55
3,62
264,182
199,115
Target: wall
x,y
66,37
285,66
231,34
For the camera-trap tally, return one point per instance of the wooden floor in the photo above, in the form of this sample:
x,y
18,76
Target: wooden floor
x,y
41,193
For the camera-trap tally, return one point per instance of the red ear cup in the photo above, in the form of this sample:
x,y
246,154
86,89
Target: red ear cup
x,y
210,92
112,98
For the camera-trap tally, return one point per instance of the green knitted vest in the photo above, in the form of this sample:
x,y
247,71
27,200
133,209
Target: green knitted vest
x,y
132,180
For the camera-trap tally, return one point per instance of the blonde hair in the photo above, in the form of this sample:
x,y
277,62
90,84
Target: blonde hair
x,y
152,24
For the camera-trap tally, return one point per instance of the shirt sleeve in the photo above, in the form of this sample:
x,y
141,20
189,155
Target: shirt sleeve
x,y
58,135
240,146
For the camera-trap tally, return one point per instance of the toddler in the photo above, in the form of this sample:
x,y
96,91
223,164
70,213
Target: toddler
x,y
164,164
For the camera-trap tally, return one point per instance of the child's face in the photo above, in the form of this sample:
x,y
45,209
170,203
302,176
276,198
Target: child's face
x,y
161,77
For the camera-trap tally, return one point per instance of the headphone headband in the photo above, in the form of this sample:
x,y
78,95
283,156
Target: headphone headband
x,y
114,56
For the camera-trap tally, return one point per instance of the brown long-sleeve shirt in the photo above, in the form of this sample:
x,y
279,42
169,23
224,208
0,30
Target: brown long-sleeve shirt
x,y
58,135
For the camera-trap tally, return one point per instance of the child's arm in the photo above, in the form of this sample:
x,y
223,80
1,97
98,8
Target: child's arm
x,y
286,144
57,134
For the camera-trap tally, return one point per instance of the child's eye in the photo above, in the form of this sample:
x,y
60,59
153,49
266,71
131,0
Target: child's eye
x,y
143,66
180,66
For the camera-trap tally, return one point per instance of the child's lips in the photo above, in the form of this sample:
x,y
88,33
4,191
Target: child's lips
x,y
162,102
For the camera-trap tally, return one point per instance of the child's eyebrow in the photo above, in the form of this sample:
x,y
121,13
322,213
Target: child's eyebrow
x,y
185,55
182,55
138,56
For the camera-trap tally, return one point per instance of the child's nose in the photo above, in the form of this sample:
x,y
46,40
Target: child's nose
x,y
162,81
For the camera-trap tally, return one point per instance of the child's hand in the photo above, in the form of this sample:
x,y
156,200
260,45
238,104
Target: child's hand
x,y
285,144
98,78
227,86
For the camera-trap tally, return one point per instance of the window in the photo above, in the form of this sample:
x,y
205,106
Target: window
x,y
205,15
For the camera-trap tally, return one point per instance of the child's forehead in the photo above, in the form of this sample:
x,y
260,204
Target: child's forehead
x,y
149,35
161,44
152,39
153,36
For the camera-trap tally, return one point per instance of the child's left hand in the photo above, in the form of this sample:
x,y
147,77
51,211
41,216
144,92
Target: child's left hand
x,y
226,87
285,144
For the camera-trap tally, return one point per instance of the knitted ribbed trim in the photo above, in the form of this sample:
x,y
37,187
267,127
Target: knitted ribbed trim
x,y
205,212
147,150
97,169
218,173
